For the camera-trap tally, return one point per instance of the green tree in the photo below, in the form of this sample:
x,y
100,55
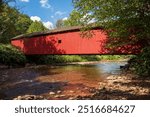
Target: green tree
x,y
1,3
22,24
12,23
128,21
60,23
74,19
7,23
4,2
36,27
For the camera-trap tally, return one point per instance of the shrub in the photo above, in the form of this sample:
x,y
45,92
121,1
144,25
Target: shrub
x,y
141,62
114,57
50,59
9,55
91,57
69,58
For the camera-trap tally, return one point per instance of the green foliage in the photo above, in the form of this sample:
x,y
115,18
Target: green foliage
x,y
141,63
2,2
115,57
68,58
12,23
60,23
74,19
91,57
52,59
11,56
7,24
36,26
23,24
126,20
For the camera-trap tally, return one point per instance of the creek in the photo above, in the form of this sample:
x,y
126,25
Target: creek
x,y
56,82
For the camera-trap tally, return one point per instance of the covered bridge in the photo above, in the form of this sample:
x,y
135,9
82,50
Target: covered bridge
x,y
68,41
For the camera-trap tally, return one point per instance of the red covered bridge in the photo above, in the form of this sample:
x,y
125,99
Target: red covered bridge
x,y
69,41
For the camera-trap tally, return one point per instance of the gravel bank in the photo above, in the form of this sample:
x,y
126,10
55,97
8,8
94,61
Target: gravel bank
x,y
122,87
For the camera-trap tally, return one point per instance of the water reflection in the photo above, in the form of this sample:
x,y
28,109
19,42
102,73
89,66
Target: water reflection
x,y
88,71
111,67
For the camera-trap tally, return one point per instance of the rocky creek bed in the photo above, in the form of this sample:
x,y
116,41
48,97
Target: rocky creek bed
x,y
122,87
117,87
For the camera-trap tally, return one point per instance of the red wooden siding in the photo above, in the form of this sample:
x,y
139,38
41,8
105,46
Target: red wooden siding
x,y
69,42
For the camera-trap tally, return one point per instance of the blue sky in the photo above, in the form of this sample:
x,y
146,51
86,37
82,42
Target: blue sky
x,y
47,11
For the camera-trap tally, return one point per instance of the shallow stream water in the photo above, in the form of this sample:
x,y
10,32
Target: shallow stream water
x,y
53,82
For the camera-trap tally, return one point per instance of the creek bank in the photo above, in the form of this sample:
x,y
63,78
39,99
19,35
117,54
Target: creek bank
x,y
122,87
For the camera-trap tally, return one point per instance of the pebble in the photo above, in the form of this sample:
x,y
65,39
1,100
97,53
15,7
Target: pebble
x,y
19,98
86,88
56,96
52,93
119,77
71,91
62,96
58,92
71,98
29,97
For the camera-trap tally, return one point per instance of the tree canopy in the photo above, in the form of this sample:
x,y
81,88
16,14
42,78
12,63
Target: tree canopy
x,y
74,19
127,20
8,18
36,26
12,23
60,23
23,24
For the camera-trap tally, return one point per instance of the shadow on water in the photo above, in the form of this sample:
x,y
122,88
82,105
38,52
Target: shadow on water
x,y
22,81
36,88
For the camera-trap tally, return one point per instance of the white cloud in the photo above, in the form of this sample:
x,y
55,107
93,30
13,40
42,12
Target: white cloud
x,y
24,0
45,4
35,18
48,24
52,16
65,18
60,13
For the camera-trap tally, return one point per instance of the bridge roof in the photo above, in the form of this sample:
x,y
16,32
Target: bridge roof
x,y
54,31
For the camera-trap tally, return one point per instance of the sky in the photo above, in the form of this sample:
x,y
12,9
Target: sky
x,y
46,11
